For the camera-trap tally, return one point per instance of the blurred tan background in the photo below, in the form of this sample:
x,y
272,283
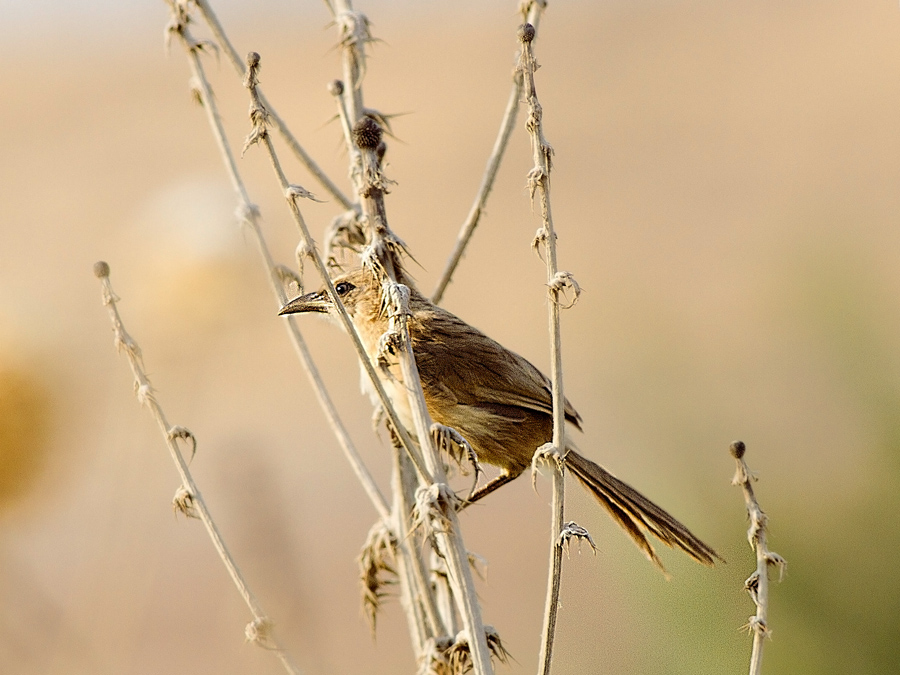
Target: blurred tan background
x,y
726,192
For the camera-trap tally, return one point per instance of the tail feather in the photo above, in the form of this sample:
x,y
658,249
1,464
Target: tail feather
x,y
635,513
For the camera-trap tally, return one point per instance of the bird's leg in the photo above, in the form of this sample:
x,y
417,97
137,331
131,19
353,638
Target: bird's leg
x,y
505,477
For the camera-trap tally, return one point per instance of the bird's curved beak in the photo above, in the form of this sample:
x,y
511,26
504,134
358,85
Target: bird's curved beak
x,y
311,302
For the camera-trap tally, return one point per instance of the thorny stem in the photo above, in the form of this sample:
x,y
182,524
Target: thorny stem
x,y
292,193
449,538
250,215
260,629
367,136
337,89
454,551
354,31
539,182
758,583
222,38
531,11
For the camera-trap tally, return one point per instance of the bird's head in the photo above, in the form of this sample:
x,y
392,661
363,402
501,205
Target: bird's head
x,y
358,290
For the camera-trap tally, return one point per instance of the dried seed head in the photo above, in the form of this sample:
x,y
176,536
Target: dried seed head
x,y
738,449
376,568
253,60
101,269
367,134
526,33
335,87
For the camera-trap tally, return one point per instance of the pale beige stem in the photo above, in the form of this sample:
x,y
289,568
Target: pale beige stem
x,y
292,194
250,216
539,183
531,11
222,38
757,585
367,136
191,500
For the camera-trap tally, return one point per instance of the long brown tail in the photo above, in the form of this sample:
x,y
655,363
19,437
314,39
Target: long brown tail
x,y
635,513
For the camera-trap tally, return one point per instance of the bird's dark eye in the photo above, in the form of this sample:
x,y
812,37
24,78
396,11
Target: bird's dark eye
x,y
344,287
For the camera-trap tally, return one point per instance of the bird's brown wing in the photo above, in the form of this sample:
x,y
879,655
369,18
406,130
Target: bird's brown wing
x,y
462,362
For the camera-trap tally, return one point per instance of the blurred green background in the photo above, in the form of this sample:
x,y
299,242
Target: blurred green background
x,y
726,193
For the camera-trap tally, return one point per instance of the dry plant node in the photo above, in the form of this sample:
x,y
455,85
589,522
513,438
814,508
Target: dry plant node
x,y
259,632
178,21
354,36
446,655
247,214
540,242
548,454
459,655
433,504
479,564
562,282
299,192
572,530
289,278
183,502
183,433
345,233
259,116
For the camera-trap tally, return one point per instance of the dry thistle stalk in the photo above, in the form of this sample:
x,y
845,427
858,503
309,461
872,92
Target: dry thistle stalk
x,y
249,216
757,585
291,192
383,256
188,498
531,11
234,57
557,282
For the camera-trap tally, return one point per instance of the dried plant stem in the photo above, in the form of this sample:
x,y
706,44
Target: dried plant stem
x,y
448,537
292,193
382,249
757,585
250,216
539,183
338,89
364,140
354,30
531,11
222,38
190,501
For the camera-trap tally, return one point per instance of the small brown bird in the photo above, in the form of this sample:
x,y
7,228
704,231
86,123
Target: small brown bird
x,y
498,401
